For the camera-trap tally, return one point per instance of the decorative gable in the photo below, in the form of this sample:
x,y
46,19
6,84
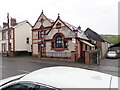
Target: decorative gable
x,y
42,20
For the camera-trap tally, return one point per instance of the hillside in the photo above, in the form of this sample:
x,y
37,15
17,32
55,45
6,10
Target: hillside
x,y
114,39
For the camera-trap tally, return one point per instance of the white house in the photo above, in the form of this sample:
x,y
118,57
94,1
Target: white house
x,y
20,38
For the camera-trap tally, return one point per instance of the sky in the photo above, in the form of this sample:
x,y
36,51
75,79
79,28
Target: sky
x,y
99,15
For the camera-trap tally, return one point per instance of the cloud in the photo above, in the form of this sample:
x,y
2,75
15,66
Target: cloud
x,y
99,15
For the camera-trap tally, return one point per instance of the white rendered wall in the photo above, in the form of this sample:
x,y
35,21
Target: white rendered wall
x,y
21,33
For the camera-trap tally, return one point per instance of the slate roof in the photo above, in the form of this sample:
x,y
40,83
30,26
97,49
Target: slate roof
x,y
115,45
93,35
18,24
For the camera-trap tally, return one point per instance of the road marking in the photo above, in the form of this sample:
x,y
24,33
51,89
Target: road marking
x,y
23,71
2,67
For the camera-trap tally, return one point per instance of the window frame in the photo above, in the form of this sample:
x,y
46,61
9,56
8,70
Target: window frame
x,y
29,82
27,40
60,42
3,35
41,34
4,47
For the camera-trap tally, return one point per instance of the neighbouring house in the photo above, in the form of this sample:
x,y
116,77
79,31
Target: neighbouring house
x,y
58,39
17,39
98,41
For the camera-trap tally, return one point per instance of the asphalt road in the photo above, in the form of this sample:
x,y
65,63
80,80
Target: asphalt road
x,y
10,66
14,66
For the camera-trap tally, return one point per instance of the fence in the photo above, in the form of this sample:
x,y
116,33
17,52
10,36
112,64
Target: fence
x,y
66,55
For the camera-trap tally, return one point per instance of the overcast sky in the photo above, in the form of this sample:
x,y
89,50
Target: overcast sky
x,y
99,15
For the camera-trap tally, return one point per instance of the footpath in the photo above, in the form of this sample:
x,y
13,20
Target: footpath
x,y
109,66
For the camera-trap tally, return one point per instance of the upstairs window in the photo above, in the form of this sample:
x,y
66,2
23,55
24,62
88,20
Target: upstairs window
x,y
41,34
58,25
3,35
27,40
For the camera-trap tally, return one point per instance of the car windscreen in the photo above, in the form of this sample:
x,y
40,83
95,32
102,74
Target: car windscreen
x,y
12,80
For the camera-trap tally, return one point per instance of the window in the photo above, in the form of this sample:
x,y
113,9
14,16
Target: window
x,y
4,47
22,86
52,44
41,34
59,42
27,40
28,86
58,25
65,44
3,35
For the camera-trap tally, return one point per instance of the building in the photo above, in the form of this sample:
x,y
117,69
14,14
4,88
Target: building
x,y
58,39
98,41
17,39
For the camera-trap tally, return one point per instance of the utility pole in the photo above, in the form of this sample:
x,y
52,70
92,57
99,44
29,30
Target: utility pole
x,y
8,34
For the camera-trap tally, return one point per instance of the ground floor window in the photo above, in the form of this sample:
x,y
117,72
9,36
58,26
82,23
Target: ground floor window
x,y
4,47
59,43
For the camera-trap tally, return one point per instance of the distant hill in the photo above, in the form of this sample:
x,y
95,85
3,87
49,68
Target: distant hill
x,y
114,39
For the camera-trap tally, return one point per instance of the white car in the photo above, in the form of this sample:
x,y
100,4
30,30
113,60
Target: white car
x,y
60,78
111,54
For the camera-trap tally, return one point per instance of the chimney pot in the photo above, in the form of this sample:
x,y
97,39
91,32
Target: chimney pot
x,y
13,21
5,24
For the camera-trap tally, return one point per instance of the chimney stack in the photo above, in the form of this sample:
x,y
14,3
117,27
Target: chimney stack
x,y
79,27
13,21
5,24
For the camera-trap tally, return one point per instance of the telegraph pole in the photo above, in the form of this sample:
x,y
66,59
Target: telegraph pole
x,y
8,34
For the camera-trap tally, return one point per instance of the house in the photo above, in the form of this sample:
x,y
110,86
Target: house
x,y
58,39
98,41
17,39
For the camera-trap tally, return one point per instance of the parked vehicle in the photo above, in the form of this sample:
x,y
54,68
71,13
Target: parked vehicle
x,y
111,54
59,78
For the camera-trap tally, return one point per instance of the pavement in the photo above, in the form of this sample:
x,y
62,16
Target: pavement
x,y
109,66
67,63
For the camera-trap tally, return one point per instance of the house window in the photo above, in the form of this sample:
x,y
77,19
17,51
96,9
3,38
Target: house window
x,y
58,25
52,44
3,47
27,40
41,34
65,44
3,35
59,42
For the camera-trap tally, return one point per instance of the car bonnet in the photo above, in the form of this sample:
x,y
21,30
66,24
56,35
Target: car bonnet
x,y
69,77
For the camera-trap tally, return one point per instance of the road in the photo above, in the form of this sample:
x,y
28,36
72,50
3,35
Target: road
x,y
10,66
15,66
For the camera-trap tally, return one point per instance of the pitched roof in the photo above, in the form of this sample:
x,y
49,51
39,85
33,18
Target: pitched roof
x,y
18,24
115,45
93,35
81,34
42,13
